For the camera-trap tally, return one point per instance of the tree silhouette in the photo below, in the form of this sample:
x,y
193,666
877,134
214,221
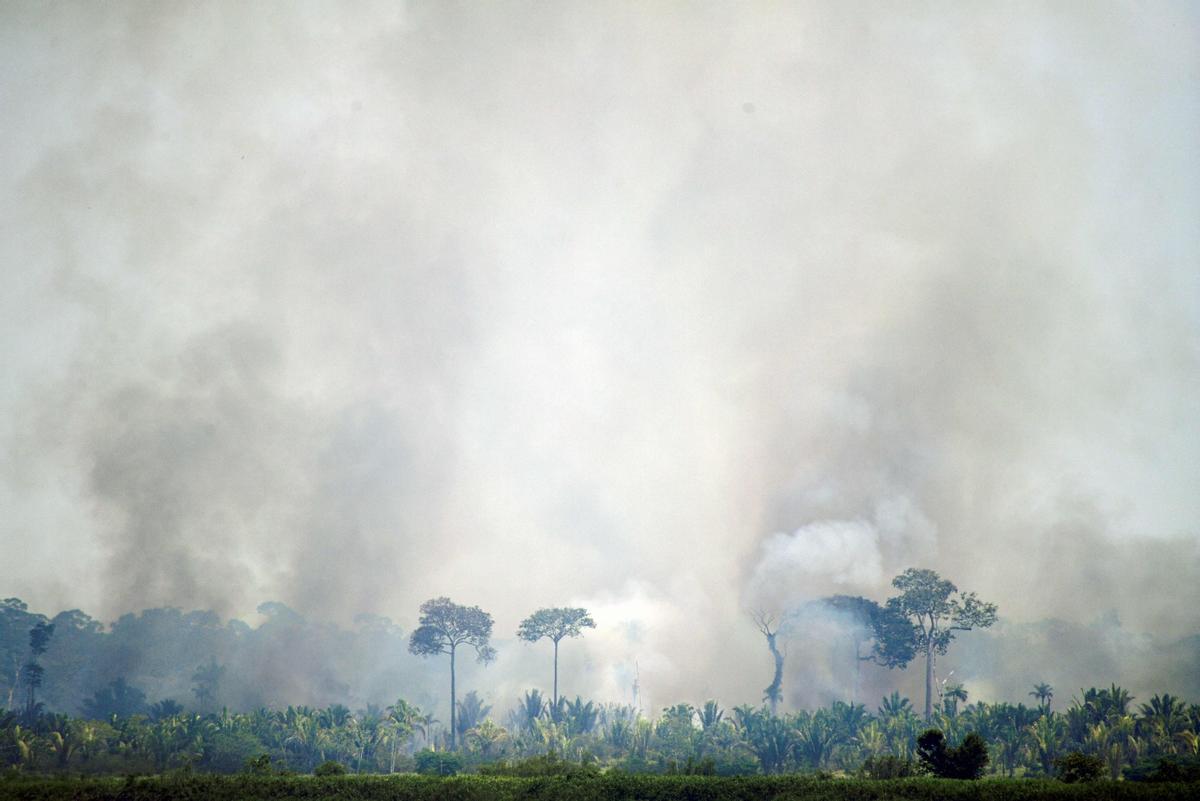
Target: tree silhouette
x,y
207,680
769,626
888,632
1044,694
928,601
555,624
33,673
444,626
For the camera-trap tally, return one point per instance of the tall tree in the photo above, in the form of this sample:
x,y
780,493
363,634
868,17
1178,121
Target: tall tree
x,y
207,680
118,698
1044,693
444,626
769,626
555,624
937,610
33,672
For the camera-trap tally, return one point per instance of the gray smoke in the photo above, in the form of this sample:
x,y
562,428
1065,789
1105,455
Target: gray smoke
x,y
664,312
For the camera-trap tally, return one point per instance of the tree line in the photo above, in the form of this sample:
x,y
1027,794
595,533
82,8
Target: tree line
x,y
118,729
1103,727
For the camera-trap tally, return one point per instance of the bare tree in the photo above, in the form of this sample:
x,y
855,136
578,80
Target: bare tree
x,y
768,624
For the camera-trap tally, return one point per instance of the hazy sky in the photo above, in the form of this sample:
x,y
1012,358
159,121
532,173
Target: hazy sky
x,y
667,310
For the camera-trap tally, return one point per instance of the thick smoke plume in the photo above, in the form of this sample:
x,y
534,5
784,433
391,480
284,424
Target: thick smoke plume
x,y
665,312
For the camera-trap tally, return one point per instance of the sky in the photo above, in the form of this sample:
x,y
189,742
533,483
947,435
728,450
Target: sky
x,y
673,312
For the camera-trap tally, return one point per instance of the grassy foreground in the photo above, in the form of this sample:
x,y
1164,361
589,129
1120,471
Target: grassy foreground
x,y
610,787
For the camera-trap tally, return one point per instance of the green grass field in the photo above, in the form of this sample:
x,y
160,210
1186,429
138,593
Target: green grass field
x,y
610,787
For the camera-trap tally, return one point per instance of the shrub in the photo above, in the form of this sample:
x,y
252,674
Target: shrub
x,y
260,764
548,765
967,761
888,767
227,752
1165,769
1079,767
330,767
438,763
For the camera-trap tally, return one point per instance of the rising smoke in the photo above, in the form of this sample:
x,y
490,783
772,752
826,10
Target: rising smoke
x,y
663,312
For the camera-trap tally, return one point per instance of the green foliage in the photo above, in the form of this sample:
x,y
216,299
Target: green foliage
x,y
471,712
259,765
1152,741
207,680
330,767
1165,769
555,624
928,601
966,761
39,638
446,625
1079,767
604,787
543,765
891,635
888,766
438,763
119,699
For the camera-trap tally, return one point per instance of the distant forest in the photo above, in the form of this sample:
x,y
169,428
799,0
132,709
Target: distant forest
x,y
199,661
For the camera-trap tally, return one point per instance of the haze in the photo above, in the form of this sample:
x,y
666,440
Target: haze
x,y
666,311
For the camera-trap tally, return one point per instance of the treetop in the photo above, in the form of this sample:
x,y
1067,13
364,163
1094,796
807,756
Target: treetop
x,y
555,623
444,625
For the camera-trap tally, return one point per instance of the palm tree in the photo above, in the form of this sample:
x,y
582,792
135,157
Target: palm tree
x,y
486,738
1119,699
895,706
771,739
871,740
849,718
405,720
471,712
1044,694
815,736
531,707
951,697
1044,737
1164,718
710,715
580,717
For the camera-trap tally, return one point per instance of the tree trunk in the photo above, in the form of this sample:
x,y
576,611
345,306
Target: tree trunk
x,y
774,692
857,672
929,680
555,677
453,709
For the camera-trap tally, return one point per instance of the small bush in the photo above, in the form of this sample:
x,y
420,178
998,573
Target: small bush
x,y
330,767
1079,767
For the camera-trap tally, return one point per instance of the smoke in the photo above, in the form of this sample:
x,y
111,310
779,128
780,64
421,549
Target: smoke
x,y
353,306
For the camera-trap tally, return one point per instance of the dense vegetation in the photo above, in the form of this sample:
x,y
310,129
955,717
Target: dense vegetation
x,y
1020,740
1100,733
597,787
